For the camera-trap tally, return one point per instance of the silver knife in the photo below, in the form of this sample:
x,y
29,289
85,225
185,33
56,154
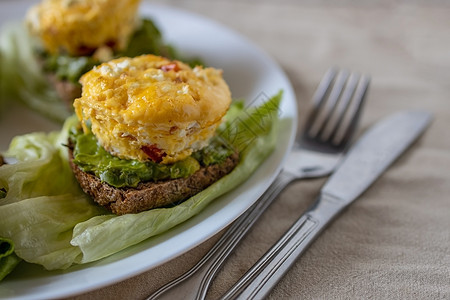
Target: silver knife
x,y
375,151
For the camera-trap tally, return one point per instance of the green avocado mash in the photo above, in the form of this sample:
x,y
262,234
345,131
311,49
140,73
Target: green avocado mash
x,y
92,158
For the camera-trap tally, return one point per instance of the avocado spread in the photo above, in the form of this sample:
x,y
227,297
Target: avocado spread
x,y
90,157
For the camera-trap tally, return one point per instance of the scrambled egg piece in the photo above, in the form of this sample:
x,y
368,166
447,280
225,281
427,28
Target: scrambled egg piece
x,y
79,27
151,108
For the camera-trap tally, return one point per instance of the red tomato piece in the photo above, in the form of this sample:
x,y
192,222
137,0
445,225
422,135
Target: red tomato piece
x,y
154,153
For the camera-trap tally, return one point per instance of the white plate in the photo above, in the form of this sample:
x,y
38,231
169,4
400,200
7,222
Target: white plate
x,y
250,73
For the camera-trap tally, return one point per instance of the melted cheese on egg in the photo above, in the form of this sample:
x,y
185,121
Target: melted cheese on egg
x,y
133,103
79,27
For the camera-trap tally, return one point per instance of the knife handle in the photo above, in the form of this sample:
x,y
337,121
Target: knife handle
x,y
265,274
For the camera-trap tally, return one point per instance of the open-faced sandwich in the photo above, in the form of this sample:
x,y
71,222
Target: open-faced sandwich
x,y
71,36
152,140
147,134
51,221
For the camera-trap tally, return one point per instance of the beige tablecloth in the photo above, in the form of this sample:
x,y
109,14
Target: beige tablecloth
x,y
394,242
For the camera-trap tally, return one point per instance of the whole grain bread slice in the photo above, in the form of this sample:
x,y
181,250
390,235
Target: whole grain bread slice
x,y
149,195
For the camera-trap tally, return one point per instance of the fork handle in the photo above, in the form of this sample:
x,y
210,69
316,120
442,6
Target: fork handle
x,y
266,273
194,283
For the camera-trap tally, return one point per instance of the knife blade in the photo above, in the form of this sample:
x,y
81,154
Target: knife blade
x,y
374,152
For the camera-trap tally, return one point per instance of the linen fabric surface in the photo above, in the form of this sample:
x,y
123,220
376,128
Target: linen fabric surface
x,y
394,241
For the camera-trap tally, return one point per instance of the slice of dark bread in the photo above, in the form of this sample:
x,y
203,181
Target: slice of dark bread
x,y
149,195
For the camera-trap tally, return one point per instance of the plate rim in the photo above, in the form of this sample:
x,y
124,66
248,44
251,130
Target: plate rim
x,y
288,90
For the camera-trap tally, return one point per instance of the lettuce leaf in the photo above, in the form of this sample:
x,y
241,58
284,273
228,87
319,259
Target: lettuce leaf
x,y
43,201
8,259
147,39
53,223
21,77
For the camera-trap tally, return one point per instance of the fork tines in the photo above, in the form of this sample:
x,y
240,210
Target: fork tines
x,y
336,106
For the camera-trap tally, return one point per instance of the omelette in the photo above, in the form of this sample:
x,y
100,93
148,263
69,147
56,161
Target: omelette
x,y
152,108
80,27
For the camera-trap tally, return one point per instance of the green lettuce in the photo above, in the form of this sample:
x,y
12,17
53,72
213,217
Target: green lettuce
x,y
53,223
148,39
43,201
22,78
8,259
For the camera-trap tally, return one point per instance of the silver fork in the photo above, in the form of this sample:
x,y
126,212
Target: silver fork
x,y
337,106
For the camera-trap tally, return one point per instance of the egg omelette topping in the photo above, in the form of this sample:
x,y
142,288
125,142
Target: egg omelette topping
x,y
79,27
152,108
